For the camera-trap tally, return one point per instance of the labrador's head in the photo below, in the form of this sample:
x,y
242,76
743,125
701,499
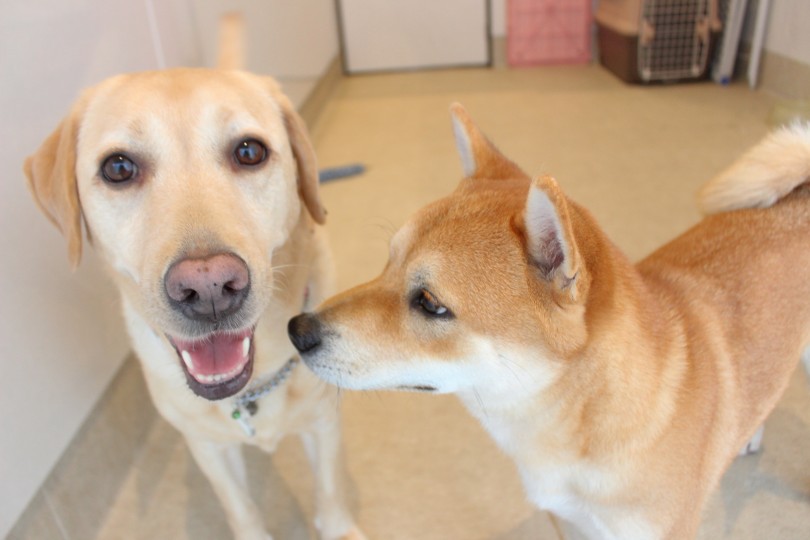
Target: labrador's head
x,y
186,181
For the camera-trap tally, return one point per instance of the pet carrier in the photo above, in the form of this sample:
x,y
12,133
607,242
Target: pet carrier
x,y
657,40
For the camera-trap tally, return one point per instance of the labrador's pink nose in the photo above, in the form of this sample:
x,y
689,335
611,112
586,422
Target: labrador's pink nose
x,y
208,288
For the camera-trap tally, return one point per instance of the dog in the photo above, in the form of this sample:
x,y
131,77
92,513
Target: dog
x,y
199,189
622,392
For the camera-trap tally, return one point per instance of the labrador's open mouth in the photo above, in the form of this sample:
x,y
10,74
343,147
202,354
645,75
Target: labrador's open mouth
x,y
218,365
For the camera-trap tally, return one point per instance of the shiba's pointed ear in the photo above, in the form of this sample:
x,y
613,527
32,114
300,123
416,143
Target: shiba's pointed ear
x,y
51,176
550,241
308,184
479,157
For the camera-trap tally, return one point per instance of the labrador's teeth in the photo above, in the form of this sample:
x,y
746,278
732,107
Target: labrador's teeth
x,y
245,346
217,377
187,359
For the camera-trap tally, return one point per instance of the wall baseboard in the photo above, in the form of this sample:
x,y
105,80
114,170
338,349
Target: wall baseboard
x,y
314,103
784,77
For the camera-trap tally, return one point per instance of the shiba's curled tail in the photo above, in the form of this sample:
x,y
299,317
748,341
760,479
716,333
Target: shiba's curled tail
x,y
766,173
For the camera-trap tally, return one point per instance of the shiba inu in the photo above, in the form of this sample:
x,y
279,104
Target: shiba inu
x,y
621,391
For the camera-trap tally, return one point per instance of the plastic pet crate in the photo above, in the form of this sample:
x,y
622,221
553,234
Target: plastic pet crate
x,y
657,40
548,32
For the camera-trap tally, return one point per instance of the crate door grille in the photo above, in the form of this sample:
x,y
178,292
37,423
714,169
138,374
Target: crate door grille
x,y
673,39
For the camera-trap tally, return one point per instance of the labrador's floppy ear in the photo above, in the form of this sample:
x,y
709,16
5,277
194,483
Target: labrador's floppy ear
x,y
550,242
308,185
51,177
479,157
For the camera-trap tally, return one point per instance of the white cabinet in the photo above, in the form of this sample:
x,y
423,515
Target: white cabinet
x,y
387,36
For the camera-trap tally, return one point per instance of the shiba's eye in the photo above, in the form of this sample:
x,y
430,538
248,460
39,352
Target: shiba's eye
x,y
118,168
429,305
250,152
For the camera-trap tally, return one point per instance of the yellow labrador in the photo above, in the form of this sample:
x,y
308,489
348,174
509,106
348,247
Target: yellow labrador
x,y
199,189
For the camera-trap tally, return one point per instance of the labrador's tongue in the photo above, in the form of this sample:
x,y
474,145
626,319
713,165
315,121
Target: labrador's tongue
x,y
216,358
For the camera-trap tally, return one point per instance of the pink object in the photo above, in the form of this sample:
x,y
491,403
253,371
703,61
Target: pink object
x,y
548,32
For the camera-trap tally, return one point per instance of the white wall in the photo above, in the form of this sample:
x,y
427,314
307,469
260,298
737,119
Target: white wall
x,y
413,35
61,339
788,30
288,39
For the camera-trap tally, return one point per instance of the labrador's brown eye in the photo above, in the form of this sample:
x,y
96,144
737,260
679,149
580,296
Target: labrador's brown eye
x,y
250,152
118,169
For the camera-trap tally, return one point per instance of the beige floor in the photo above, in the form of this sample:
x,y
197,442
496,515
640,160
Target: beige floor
x,y
422,468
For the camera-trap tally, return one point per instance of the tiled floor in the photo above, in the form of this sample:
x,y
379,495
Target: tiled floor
x,y
422,468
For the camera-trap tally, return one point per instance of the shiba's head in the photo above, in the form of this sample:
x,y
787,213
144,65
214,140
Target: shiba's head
x,y
483,287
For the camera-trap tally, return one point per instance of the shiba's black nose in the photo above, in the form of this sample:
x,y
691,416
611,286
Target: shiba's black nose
x,y
305,332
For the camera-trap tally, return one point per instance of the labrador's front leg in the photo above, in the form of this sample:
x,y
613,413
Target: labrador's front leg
x,y
224,466
324,450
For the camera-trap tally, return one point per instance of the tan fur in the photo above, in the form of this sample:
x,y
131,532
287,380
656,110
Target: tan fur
x,y
191,199
765,174
51,180
231,40
621,391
